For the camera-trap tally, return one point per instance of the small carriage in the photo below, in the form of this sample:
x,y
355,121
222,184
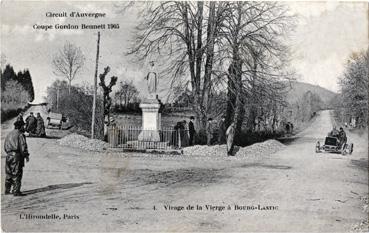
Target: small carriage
x,y
333,145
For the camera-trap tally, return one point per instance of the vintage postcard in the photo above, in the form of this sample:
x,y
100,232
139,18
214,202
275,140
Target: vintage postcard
x,y
188,116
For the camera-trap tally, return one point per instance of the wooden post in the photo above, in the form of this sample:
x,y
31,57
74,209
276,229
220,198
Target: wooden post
x,y
57,98
95,88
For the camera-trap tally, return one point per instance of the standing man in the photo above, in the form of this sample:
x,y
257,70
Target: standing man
x,y
20,118
230,139
191,129
31,123
342,137
222,131
40,129
209,132
15,146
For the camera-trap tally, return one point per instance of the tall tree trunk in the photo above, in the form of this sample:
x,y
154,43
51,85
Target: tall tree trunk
x,y
69,86
210,41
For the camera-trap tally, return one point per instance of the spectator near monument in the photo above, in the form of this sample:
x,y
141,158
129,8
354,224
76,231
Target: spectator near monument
x,y
209,132
192,131
31,123
222,131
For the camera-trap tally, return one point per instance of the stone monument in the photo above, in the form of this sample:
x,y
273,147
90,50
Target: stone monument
x,y
151,120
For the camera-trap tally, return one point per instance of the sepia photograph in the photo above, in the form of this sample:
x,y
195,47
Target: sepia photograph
x,y
184,116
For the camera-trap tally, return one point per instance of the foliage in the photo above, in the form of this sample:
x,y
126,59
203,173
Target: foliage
x,y
107,102
68,62
354,89
76,106
126,94
16,91
215,46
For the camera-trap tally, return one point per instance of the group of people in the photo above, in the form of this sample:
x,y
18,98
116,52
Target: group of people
x,y
216,133
15,147
340,135
34,126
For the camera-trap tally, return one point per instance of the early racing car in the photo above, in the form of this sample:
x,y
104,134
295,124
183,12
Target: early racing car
x,y
55,119
333,145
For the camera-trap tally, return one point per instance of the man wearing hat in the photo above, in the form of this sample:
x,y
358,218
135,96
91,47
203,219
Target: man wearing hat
x,y
222,131
31,123
191,130
15,146
20,117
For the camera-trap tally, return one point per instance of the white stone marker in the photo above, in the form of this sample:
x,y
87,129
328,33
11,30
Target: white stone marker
x,y
151,123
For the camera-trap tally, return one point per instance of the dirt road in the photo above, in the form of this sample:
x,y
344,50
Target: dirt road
x,y
292,190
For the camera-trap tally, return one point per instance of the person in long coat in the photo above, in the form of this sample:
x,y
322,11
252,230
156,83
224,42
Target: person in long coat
x,y
222,131
40,129
31,123
184,134
192,131
230,139
15,146
175,134
210,132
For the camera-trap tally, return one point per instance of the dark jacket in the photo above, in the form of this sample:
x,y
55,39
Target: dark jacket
x,y
40,130
31,124
191,127
222,132
15,144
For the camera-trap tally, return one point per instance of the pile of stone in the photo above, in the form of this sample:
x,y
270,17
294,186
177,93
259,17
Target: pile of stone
x,y
256,150
82,142
261,149
206,151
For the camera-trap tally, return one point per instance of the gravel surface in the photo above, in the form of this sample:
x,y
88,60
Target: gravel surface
x,y
256,150
80,141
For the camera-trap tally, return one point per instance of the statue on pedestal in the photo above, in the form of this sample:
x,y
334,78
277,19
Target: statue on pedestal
x,y
152,81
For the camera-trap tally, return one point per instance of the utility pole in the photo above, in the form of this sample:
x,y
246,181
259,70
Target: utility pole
x,y
57,98
95,87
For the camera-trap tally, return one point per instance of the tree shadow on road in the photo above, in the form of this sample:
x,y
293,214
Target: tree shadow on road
x,y
361,164
54,187
283,167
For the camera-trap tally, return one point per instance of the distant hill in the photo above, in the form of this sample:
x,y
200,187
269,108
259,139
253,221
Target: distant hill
x,y
298,89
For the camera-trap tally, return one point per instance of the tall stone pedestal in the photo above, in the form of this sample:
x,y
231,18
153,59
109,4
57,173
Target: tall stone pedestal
x,y
151,122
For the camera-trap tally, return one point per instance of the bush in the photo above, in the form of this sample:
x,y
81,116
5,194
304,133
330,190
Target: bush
x,y
77,107
11,113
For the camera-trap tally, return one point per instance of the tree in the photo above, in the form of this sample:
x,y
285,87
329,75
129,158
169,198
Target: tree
x,y
184,32
7,75
107,89
237,46
68,62
25,79
250,45
354,88
127,92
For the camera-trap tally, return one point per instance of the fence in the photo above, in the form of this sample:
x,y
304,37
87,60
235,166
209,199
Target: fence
x,y
127,137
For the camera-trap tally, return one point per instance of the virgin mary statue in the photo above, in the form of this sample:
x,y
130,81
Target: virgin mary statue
x,y
152,81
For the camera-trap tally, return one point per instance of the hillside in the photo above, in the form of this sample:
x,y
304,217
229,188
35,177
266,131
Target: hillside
x,y
298,89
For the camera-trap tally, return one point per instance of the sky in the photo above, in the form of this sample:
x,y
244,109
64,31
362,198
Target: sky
x,y
325,35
